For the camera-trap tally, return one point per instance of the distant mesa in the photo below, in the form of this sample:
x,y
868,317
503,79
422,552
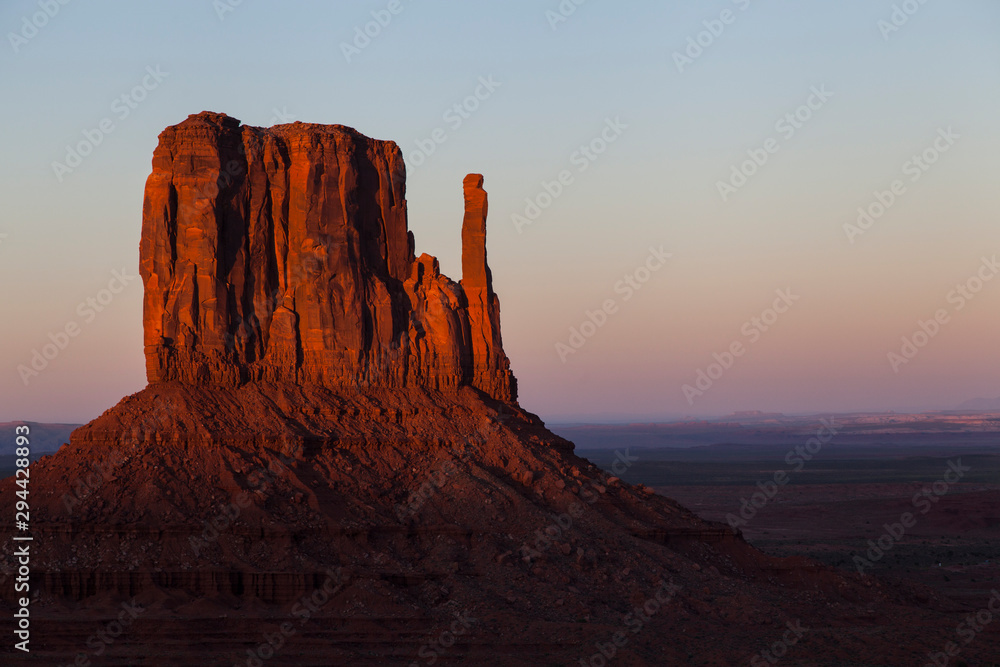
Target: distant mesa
x,y
756,414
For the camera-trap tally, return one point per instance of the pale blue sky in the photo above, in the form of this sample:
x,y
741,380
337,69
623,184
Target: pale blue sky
x,y
656,185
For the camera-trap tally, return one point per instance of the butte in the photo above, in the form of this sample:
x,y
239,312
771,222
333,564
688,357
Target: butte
x,y
329,465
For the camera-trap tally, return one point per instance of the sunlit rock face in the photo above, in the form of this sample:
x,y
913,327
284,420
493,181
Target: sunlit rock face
x,y
282,255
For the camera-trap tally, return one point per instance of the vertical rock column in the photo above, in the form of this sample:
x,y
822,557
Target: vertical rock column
x,y
490,368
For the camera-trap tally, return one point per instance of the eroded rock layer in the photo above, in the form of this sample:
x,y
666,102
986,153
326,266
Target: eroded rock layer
x,y
283,255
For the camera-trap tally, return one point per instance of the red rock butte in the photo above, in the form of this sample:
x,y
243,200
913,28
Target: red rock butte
x,y
282,255
328,414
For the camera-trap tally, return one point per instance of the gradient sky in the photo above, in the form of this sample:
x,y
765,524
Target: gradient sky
x,y
656,184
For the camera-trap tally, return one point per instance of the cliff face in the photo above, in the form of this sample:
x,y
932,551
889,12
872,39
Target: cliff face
x,y
282,255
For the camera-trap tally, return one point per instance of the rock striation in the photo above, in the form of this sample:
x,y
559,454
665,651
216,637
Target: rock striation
x,y
282,255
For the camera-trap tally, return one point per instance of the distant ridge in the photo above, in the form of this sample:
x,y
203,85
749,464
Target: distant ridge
x,y
981,404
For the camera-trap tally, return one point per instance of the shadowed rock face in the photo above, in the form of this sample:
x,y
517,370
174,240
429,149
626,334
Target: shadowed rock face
x,y
283,255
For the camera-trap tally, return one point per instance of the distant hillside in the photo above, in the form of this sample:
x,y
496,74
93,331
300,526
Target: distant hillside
x,y
744,434
44,437
986,404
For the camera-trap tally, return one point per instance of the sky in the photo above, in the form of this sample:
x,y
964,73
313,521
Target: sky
x,y
695,207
